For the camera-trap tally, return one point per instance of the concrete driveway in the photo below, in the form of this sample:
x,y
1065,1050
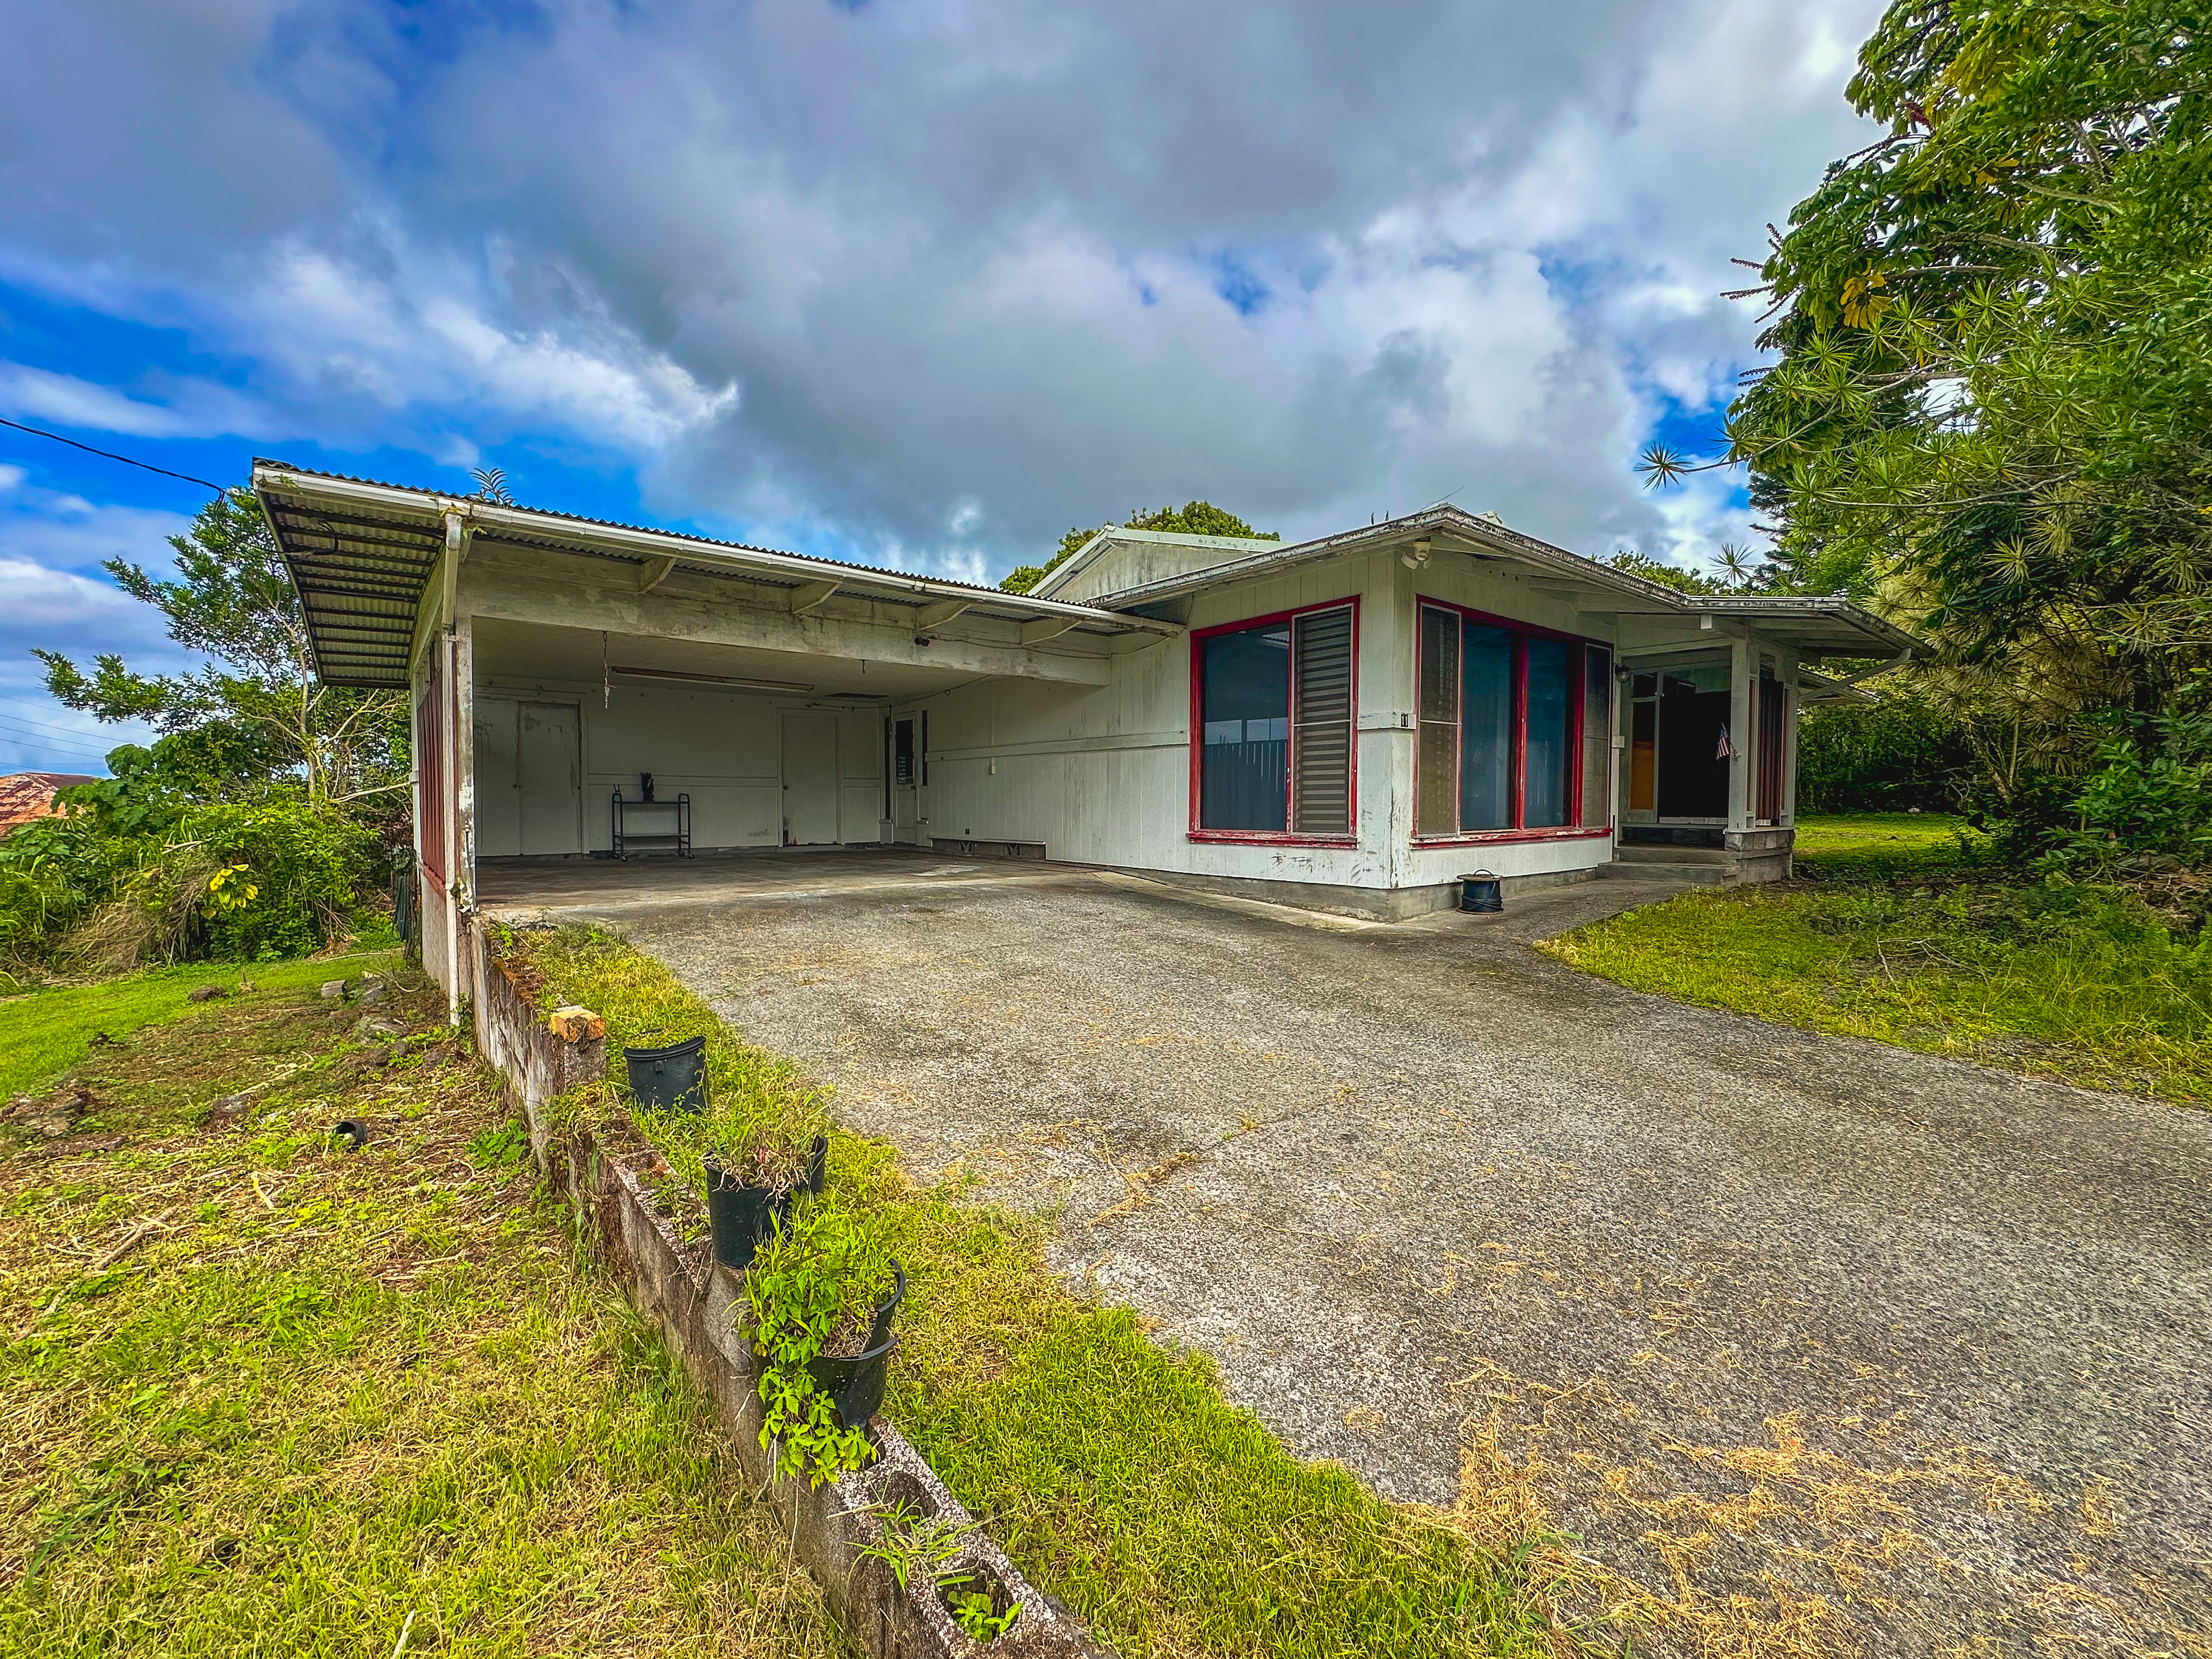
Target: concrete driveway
x,y
1809,1344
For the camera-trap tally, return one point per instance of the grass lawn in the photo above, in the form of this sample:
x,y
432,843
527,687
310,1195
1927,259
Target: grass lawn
x,y
1894,930
1111,1469
44,1033
261,1396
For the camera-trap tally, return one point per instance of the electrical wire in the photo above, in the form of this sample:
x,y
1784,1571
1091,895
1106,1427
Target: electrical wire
x,y
48,725
110,455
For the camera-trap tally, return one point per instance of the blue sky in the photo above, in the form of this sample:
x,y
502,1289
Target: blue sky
x,y
917,283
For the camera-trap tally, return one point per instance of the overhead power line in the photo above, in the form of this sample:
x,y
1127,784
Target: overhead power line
x,y
110,455
47,725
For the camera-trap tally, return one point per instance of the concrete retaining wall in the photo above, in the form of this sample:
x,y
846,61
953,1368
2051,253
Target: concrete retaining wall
x,y
699,1307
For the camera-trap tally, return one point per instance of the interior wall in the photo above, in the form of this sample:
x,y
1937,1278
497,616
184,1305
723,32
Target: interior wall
x,y
724,749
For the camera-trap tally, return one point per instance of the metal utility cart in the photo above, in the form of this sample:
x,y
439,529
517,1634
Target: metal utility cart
x,y
675,814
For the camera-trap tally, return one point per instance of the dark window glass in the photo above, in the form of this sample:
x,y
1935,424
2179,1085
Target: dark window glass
x,y
1553,687
1321,758
1486,782
1244,701
903,752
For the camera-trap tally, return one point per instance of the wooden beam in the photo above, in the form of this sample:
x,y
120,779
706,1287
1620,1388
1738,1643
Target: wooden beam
x,y
1048,627
810,596
652,573
591,596
936,616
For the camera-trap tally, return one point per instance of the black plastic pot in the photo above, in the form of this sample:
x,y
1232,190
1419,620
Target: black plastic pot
x,y
740,1217
352,1132
855,1385
1481,892
818,1165
671,1079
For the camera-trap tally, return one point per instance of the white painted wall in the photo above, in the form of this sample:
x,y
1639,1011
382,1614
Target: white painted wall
x,y
1102,775
722,747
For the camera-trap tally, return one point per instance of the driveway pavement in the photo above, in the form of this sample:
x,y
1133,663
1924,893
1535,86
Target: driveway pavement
x,y
1814,1346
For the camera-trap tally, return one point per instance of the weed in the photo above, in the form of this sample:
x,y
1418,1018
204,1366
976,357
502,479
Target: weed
x,y
266,1397
1119,1478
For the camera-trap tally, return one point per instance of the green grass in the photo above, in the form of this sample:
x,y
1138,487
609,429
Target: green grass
x,y
44,1033
1899,931
263,1397
1112,1470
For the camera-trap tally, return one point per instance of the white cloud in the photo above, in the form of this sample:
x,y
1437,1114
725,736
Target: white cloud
x,y
933,284
197,409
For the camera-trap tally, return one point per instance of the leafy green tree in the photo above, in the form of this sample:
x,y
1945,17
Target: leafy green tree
x,y
257,712
1192,519
1991,411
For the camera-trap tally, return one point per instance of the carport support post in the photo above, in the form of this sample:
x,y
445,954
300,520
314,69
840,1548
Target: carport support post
x,y
1743,680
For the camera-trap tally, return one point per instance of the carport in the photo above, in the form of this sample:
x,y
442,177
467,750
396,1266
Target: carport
x,y
576,684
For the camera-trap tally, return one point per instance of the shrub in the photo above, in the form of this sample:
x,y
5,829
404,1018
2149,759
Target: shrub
x,y
1885,757
814,1288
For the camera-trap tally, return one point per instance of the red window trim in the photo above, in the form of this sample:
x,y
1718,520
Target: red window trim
x,y
1198,832
1486,837
1516,784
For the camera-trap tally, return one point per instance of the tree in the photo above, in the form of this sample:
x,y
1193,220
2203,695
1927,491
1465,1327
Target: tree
x,y
1991,412
258,705
1192,519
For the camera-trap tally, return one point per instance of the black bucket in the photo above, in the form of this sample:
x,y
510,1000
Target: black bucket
x,y
671,1079
740,1217
1481,892
855,1385
818,1165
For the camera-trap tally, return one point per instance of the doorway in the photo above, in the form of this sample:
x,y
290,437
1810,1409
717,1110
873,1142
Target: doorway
x,y
547,785
529,769
810,780
1679,744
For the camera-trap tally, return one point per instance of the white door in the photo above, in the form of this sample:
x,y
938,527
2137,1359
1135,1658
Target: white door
x,y
810,780
548,778
499,820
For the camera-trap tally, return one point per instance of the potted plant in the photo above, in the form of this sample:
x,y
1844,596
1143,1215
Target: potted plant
x,y
748,1159
823,1291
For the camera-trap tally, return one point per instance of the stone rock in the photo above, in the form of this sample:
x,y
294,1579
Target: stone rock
x,y
572,1023
370,1028
335,988
372,990
205,994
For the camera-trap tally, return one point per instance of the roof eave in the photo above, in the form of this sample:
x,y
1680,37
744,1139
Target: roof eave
x,y
632,542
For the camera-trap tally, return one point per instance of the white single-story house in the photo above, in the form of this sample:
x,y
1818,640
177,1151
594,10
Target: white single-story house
x,y
1349,723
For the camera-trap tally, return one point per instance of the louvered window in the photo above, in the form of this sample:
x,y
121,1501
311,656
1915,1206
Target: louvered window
x,y
1275,701
1515,732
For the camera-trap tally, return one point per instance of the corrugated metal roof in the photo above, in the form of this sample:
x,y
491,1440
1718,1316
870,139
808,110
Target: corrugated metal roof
x,y
361,553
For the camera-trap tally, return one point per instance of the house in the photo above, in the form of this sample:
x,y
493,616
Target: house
x,y
28,795
1348,723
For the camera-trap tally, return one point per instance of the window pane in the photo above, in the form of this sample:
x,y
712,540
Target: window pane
x,y
1244,697
1322,763
1436,812
1597,736
1486,782
1552,686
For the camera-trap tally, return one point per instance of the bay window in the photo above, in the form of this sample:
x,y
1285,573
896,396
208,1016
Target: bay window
x,y
1515,728
1272,713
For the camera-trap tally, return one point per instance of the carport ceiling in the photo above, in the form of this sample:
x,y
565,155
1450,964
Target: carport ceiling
x,y
523,655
